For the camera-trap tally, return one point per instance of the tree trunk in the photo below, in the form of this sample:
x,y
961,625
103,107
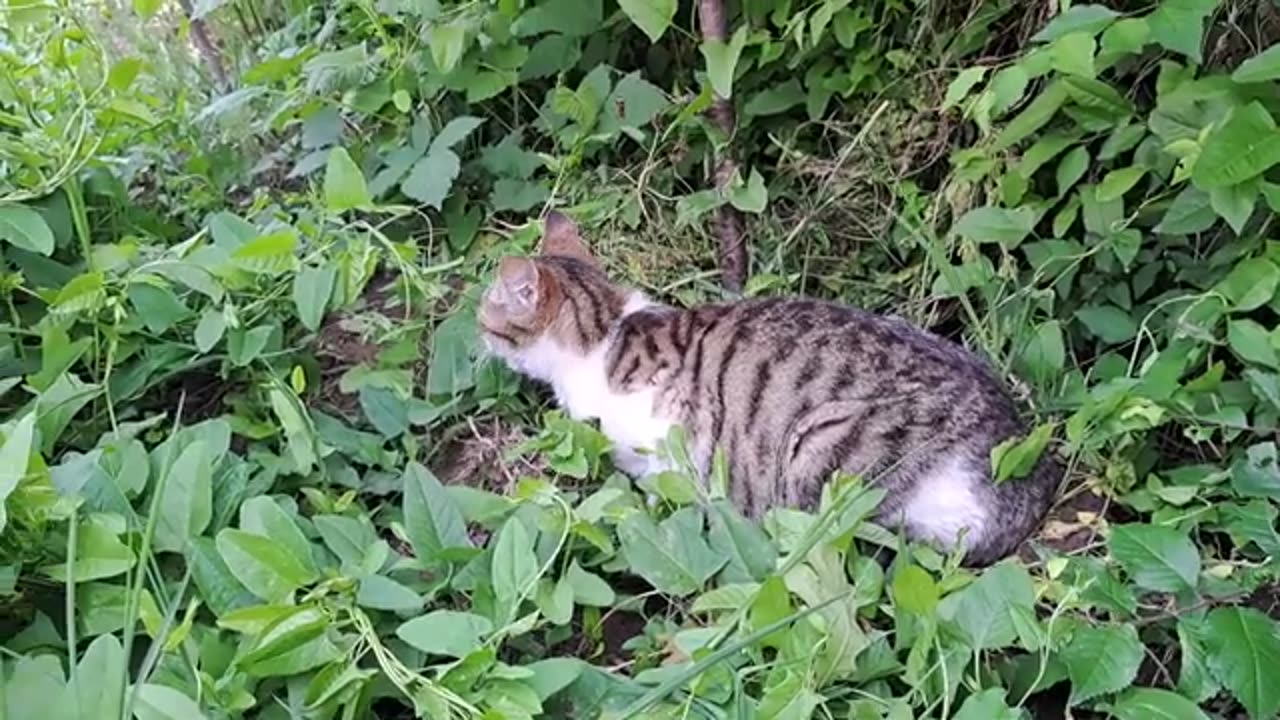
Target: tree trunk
x,y
204,45
729,226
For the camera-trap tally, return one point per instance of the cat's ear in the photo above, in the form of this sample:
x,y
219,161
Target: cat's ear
x,y
519,285
560,236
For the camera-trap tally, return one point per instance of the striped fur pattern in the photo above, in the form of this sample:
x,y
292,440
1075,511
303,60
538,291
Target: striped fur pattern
x,y
792,390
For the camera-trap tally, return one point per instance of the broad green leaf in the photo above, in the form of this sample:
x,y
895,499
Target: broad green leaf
x,y
219,588
1108,323
431,519
312,288
1017,457
344,184
1262,67
1246,146
347,537
982,614
99,555
751,197
186,499
1156,557
292,629
299,433
914,590
1251,342
999,225
260,564
446,632
722,61
1034,116
161,702
1257,473
672,556
1101,660
1155,704
262,515
588,588
99,676
1088,19
1045,353
1118,182
268,255
454,132
514,568
1244,652
552,675
1250,284
775,100
790,699
1073,54
15,456
84,294
750,553
651,16
1235,203
431,178
725,597
448,41
962,85
25,228
1178,25
575,18
1071,168
1190,212
383,593
990,704
452,345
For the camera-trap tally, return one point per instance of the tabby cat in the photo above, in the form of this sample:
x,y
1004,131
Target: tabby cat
x,y
792,390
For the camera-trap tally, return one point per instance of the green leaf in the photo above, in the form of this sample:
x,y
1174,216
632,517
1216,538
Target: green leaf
x,y
431,178
552,675
774,100
312,288
1071,168
1262,67
1251,342
962,85
383,593
99,555
722,61
454,132
1179,25
1257,473
431,519
15,456
1250,284
268,255
1155,704
260,564
999,225
186,500
1190,212
99,690
146,8
1246,146
84,294
1118,182
1156,557
446,632
262,515
218,587
751,197
344,184
1017,456
1101,660
161,702
1235,203
1088,19
1244,652
575,18
672,556
588,588
25,228
447,42
450,372
1108,323
751,555
651,16
514,568
789,700
990,704
347,537
1045,354
914,590
1073,54
982,614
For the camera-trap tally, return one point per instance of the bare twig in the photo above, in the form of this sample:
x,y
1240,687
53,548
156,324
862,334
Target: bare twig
x,y
209,51
730,235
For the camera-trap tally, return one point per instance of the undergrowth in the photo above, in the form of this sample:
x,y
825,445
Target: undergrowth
x,y
253,466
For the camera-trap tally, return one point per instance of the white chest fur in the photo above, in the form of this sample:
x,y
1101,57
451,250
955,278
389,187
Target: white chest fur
x,y
581,385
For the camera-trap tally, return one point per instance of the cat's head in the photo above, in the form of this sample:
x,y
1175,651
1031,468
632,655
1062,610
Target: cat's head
x,y
559,299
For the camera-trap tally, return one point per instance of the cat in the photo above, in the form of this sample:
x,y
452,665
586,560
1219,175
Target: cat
x,y
792,390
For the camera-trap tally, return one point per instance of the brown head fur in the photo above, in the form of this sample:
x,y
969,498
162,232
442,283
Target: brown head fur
x,y
561,293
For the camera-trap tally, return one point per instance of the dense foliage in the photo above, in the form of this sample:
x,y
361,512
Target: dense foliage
x,y
252,464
